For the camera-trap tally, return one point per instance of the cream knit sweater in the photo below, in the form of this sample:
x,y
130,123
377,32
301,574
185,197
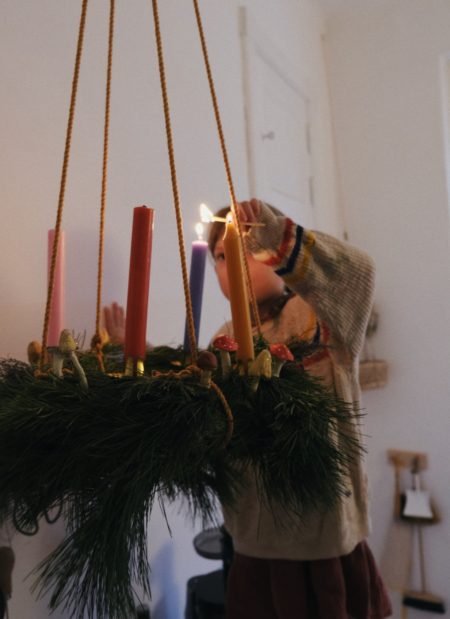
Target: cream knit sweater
x,y
333,283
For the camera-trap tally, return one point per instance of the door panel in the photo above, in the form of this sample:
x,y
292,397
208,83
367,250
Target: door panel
x,y
278,130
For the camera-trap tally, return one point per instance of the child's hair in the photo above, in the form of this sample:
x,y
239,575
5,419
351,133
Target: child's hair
x,y
216,229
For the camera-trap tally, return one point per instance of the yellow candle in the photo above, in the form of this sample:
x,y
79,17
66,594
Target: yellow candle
x,y
240,310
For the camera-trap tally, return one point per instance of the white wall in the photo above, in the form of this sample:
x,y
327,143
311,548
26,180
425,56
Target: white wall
x,y
37,44
385,68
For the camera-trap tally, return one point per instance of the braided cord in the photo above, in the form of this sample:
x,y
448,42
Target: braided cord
x,y
173,174
253,303
104,170
63,183
228,413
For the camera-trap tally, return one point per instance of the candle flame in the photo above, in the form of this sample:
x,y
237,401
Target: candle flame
x,y
206,214
199,229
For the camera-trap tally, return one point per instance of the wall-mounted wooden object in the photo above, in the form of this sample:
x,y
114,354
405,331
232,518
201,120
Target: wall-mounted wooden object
x,y
405,459
373,374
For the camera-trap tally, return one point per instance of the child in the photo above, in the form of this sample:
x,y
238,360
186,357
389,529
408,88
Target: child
x,y
311,286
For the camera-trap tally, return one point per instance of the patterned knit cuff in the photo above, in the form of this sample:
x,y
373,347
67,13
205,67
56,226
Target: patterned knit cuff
x,y
278,243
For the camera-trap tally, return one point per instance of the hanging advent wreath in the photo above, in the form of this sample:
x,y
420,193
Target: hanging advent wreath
x,y
97,436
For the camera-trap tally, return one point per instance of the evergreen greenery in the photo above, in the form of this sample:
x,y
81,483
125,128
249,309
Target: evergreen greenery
x,y
107,454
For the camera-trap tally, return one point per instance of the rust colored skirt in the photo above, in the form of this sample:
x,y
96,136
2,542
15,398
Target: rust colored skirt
x,y
339,588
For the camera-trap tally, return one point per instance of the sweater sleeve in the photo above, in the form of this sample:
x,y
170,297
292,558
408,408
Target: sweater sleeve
x,y
334,278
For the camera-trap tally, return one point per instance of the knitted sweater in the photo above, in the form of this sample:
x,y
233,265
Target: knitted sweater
x,y
333,283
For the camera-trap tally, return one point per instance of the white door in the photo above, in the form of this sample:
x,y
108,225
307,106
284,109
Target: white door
x,y
278,132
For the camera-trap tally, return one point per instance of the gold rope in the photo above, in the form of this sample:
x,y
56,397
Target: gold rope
x,y
253,303
104,169
96,342
193,370
173,174
63,180
228,412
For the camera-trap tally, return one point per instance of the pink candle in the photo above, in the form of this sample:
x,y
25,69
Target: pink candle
x,y
56,322
138,283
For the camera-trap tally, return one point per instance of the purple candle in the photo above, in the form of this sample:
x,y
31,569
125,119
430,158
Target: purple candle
x,y
196,280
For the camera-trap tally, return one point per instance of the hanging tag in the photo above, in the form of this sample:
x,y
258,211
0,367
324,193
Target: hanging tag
x,y
417,505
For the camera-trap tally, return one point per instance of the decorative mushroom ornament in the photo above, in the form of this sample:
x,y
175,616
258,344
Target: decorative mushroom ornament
x,y
280,354
66,350
261,366
207,362
34,352
225,344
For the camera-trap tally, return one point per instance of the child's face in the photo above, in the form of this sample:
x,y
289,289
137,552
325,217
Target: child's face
x,y
266,283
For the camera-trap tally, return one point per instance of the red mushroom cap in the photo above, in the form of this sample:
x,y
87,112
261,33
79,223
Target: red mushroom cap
x,y
281,351
225,342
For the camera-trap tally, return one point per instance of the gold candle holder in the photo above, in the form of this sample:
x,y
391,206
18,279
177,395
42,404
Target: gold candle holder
x,y
134,367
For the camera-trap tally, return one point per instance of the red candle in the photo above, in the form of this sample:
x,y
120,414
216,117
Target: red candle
x,y
138,283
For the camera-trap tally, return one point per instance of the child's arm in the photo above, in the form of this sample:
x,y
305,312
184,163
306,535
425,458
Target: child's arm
x,y
333,277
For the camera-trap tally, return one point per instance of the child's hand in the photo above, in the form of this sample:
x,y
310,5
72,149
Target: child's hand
x,y
265,226
249,212
114,322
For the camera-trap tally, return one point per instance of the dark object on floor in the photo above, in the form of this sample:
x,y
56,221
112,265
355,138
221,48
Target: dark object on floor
x,y
7,560
424,601
143,612
2,605
206,596
215,543
206,592
208,544
226,543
